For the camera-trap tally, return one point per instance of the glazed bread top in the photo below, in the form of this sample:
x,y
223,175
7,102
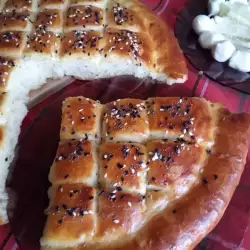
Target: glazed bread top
x,y
85,39
136,174
97,31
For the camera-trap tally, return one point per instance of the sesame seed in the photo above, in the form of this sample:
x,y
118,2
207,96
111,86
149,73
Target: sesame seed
x,y
116,221
129,204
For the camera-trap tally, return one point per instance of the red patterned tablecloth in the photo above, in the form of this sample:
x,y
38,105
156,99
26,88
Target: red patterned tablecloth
x,y
222,237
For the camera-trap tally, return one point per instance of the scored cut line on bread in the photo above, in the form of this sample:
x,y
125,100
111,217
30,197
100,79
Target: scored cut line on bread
x,y
195,200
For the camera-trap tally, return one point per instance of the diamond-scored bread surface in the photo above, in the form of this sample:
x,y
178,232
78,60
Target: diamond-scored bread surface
x,y
30,28
41,39
120,165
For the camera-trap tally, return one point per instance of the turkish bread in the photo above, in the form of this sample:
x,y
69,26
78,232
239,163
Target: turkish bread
x,y
143,175
87,39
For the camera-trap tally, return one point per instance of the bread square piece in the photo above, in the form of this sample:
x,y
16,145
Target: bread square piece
x,y
12,43
6,67
174,164
81,44
20,5
71,216
42,43
75,162
81,119
49,20
123,167
18,21
81,17
119,214
120,17
190,119
125,120
124,44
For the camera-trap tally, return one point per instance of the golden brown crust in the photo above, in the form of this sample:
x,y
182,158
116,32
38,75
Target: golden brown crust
x,y
71,214
75,162
120,17
171,162
169,57
81,44
12,43
22,5
123,167
125,120
78,17
43,43
119,214
190,119
176,216
6,66
49,19
15,21
127,44
114,30
80,119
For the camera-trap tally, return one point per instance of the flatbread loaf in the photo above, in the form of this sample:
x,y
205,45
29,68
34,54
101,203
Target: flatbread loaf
x,y
87,39
143,175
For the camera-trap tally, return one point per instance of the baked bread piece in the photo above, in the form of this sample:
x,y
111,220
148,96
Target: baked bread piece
x,y
86,39
167,193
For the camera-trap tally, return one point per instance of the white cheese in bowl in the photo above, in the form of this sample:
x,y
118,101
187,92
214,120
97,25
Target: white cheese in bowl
x,y
240,61
208,39
202,23
223,51
227,33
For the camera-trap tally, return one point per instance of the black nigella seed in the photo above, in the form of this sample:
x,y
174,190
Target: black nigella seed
x,y
209,151
153,179
101,193
66,176
174,211
60,221
122,179
87,154
126,172
119,189
106,167
91,197
215,176
70,212
120,166
6,159
81,212
57,209
60,188
205,181
64,206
